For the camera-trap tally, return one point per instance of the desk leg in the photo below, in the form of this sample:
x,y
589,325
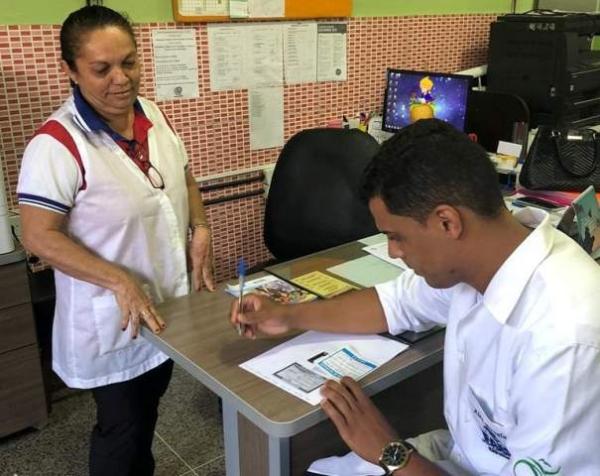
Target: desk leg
x,y
231,440
249,451
279,456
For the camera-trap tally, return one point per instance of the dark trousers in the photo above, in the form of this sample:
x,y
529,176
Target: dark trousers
x,y
121,443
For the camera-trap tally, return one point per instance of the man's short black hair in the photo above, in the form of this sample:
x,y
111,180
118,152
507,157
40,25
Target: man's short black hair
x,y
430,163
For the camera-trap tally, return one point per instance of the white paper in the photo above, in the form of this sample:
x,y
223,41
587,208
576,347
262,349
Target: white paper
x,y
238,8
226,57
349,465
300,52
509,148
374,239
295,359
331,51
381,251
266,117
263,55
175,64
204,7
266,8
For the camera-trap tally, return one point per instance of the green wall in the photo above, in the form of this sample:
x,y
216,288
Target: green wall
x,y
55,11
368,8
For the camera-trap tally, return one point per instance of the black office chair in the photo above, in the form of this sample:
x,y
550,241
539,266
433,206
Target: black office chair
x,y
313,201
494,116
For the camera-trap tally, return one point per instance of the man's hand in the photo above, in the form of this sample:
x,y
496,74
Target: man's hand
x,y
259,314
360,424
201,257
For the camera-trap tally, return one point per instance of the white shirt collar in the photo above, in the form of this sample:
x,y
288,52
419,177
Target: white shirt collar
x,y
507,285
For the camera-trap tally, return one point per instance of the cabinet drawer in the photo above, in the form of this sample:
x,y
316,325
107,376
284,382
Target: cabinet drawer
x,y
17,327
22,399
14,285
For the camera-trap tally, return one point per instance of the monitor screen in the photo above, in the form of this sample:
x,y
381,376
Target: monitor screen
x,y
414,95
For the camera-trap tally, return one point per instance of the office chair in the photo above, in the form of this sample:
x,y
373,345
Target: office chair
x,y
494,116
313,201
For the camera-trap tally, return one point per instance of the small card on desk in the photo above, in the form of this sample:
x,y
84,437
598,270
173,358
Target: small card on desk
x,y
322,284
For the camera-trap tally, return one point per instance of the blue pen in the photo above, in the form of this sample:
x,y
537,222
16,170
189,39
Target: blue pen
x,y
241,272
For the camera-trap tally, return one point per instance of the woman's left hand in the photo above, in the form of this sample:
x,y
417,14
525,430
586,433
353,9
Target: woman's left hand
x,y
201,257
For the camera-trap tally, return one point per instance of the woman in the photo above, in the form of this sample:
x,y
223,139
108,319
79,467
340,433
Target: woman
x,y
106,199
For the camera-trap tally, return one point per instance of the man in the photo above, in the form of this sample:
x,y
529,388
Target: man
x,y
521,306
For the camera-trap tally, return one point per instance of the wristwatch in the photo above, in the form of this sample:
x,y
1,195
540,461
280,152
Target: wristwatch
x,y
395,455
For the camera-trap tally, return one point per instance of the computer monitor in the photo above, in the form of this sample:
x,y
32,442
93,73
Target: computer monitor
x,y
414,95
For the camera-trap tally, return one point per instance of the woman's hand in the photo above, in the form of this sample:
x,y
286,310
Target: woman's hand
x,y
201,257
136,306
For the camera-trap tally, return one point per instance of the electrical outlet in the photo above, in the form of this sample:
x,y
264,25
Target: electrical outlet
x,y
15,223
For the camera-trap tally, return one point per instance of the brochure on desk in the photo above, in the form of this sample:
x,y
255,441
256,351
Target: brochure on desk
x,y
587,215
301,365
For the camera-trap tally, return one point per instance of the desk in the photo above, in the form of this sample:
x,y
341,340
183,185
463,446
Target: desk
x,y
266,430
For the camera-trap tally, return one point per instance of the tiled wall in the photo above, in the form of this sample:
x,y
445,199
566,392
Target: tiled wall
x,y
214,127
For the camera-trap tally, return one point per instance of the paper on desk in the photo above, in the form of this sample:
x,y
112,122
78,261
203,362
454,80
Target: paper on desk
x,y
300,52
322,284
373,239
380,250
294,365
266,117
367,271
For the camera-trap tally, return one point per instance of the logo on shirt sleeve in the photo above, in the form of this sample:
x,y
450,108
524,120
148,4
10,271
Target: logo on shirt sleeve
x,y
534,467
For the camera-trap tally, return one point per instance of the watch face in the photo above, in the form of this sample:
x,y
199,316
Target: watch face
x,y
395,453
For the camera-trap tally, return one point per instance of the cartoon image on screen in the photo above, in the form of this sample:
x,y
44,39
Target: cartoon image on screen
x,y
412,95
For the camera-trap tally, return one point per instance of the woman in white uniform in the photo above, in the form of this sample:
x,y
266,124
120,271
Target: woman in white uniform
x,y
106,198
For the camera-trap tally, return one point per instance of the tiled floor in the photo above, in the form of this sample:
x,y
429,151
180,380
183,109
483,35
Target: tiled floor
x,y
188,439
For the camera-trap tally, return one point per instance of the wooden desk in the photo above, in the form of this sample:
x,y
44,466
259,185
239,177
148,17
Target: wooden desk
x,y
266,430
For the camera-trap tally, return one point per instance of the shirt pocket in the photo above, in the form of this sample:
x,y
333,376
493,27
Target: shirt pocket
x,y
107,319
493,427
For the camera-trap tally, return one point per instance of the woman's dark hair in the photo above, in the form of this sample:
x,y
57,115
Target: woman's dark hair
x,y
84,20
430,163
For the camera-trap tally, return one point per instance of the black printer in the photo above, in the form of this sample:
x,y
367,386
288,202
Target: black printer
x,y
546,58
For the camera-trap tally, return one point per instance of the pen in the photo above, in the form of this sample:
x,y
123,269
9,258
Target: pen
x,y
241,271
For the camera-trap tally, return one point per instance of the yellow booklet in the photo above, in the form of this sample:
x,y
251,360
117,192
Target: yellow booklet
x,y
322,284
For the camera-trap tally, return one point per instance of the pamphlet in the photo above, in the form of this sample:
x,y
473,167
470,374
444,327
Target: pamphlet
x,y
322,284
275,288
587,215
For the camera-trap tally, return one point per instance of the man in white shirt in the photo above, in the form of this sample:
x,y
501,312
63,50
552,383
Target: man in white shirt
x,y
521,306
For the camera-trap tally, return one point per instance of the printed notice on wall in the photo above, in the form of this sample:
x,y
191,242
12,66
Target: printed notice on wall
x,y
226,57
175,64
266,8
266,117
263,55
331,51
300,52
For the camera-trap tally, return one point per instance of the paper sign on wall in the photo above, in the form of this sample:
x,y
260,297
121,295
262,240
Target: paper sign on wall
x,y
175,64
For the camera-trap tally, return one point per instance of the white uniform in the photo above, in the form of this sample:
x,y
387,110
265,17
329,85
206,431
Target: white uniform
x,y
112,209
521,361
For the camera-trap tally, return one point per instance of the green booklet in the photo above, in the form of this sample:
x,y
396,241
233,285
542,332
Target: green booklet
x,y
587,216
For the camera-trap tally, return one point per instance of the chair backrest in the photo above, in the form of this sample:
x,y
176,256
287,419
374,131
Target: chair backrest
x,y
494,116
313,201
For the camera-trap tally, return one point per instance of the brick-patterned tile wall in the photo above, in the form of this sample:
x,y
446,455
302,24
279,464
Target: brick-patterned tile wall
x,y
214,127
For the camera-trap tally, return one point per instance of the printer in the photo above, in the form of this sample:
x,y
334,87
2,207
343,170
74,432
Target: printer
x,y
546,58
